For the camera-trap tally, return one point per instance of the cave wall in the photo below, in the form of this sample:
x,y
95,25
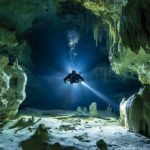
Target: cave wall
x,y
133,47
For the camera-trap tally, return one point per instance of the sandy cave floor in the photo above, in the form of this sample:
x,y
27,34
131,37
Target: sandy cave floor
x,y
81,132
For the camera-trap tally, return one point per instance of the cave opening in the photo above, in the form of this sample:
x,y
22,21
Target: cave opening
x,y
103,42
51,58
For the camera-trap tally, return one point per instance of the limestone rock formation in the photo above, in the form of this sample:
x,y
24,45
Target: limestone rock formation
x,y
135,112
12,77
12,92
93,110
82,112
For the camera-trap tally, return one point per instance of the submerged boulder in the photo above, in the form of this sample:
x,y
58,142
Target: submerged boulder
x,y
82,112
39,140
101,144
135,112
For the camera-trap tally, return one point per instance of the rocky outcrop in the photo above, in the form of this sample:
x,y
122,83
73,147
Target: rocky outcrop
x,y
129,62
39,140
12,88
12,77
135,112
102,145
93,110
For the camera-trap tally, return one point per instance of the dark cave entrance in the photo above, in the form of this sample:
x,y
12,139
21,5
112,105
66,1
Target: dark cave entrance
x,y
50,57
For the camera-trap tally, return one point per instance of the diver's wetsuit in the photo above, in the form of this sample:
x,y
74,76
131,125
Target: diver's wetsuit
x,y
73,78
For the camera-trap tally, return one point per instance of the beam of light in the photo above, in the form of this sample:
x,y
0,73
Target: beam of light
x,y
100,95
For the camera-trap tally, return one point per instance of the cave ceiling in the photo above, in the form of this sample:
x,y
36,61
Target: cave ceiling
x,y
126,23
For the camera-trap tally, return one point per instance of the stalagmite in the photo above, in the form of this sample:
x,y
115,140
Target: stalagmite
x,y
135,112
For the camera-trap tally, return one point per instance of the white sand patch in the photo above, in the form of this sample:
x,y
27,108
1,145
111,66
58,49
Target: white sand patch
x,y
83,133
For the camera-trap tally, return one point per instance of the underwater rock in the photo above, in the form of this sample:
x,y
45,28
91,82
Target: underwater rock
x,y
82,112
12,92
101,144
41,131
93,110
135,112
39,140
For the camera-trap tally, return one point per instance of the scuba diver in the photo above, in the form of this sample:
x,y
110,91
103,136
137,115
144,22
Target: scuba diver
x,y
73,77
